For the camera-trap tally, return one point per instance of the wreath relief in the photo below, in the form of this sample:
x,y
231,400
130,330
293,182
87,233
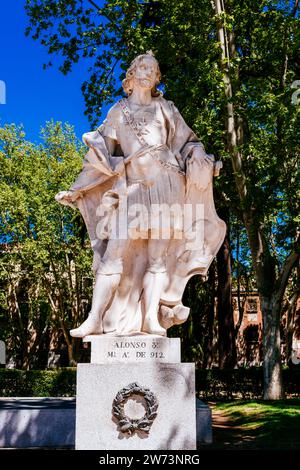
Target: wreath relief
x,y
126,424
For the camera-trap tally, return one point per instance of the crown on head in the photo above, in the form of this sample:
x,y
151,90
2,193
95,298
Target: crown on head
x,y
150,53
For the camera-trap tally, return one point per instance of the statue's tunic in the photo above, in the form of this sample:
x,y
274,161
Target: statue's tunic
x,y
153,173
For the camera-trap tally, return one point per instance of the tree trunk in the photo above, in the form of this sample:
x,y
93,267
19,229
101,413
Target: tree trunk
x,y
210,317
290,318
263,263
71,358
270,294
271,309
226,337
72,361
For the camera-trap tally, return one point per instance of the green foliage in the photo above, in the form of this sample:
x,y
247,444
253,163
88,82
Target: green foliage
x,y
37,383
43,267
183,37
263,39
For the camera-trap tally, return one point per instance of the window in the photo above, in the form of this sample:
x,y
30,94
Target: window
x,y
251,310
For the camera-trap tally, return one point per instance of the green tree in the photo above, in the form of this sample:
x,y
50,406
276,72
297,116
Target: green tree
x,y
261,125
44,272
229,68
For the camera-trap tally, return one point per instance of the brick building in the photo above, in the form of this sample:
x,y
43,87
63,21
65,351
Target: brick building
x,y
247,312
249,338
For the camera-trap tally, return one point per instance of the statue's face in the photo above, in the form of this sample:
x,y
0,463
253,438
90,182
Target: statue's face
x,y
145,73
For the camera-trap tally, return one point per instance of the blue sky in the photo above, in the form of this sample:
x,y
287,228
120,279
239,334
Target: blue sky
x,y
34,95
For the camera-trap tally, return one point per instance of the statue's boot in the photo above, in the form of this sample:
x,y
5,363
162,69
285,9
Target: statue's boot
x,y
105,287
91,326
152,326
153,286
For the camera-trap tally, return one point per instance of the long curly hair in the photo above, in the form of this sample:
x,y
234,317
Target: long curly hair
x,y
127,83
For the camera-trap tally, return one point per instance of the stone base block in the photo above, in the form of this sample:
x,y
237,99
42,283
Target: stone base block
x,y
37,422
136,407
204,423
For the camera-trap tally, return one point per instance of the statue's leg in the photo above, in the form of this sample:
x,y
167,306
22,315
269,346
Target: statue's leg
x,y
153,284
107,281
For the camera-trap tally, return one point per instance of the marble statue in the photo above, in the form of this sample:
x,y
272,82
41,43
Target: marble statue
x,y
145,193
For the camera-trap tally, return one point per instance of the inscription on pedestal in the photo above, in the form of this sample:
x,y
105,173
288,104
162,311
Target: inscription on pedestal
x,y
106,349
136,350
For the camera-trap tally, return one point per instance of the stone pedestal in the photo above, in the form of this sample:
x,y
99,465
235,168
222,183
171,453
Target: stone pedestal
x,y
135,395
100,390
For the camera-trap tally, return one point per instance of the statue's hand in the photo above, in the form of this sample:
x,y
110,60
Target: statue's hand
x,y
200,168
199,153
209,159
90,138
66,197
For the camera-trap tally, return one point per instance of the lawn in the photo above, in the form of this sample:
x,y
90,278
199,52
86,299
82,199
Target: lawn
x,y
256,424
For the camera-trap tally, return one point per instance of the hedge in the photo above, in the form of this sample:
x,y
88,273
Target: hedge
x,y
213,384
216,384
38,383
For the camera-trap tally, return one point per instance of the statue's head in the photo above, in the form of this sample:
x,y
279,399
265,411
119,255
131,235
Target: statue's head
x,y
149,64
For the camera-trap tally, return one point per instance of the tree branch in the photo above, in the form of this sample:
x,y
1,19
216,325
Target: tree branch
x,y
102,14
107,75
294,12
94,4
288,266
233,138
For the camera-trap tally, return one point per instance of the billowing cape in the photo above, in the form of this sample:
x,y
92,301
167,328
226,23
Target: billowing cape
x,y
105,174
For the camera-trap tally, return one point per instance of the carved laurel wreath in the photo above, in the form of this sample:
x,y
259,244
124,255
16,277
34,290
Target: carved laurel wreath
x,y
126,424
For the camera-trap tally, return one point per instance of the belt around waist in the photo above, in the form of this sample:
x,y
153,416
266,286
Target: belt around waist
x,y
142,151
154,151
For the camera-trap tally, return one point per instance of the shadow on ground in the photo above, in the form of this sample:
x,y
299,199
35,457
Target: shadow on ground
x,y
256,425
